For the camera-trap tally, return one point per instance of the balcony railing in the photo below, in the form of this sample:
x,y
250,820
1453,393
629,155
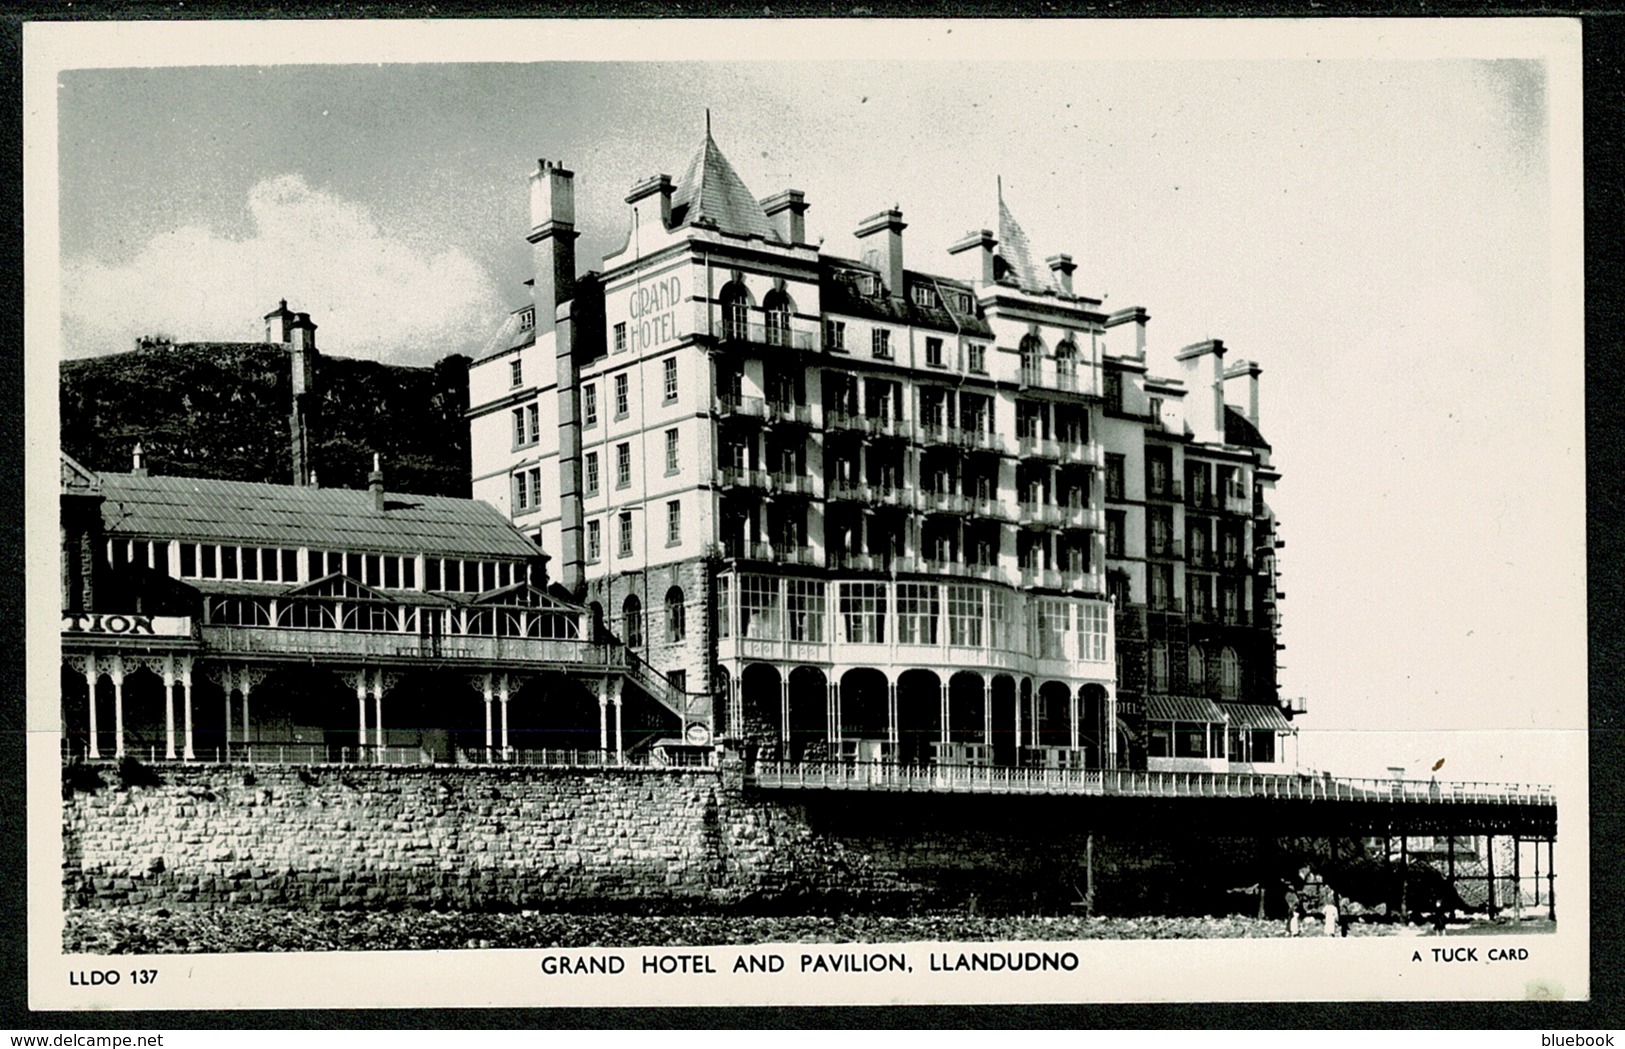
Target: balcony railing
x,y
886,494
1034,447
1232,561
741,477
1082,453
841,419
841,489
887,426
730,332
779,553
801,555
854,562
1087,581
782,412
1235,503
1041,514
992,508
791,484
977,439
342,645
728,406
1200,557
1085,518
872,425
944,502
1158,603
1049,376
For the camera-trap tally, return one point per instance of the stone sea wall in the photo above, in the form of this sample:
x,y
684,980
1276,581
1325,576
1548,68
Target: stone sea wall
x,y
446,837
654,840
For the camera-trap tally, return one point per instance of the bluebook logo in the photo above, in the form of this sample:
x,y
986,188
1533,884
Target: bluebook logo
x,y
1575,1039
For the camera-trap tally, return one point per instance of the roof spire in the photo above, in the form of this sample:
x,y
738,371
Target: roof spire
x,y
999,181
707,121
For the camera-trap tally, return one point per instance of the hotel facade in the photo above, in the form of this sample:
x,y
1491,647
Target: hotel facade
x,y
856,510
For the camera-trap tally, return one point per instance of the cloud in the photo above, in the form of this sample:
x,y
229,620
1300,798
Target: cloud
x,y
371,294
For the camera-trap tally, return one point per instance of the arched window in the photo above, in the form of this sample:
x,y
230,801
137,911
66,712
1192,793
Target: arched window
x,y
1032,352
778,308
676,626
1195,667
632,621
1229,673
597,611
1066,358
735,300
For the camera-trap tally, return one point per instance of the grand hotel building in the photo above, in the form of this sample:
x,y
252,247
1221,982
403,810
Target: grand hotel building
x,y
869,511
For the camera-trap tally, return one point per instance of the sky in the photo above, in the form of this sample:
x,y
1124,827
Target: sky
x,y
1375,231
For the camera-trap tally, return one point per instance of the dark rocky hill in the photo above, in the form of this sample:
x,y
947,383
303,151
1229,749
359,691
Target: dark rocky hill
x,y
221,410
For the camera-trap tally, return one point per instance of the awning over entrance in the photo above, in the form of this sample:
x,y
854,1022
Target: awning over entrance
x,y
1182,708
1257,716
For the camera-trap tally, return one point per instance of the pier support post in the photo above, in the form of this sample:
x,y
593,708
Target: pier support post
x,y
1489,880
1551,879
1450,872
1404,877
1089,875
1517,880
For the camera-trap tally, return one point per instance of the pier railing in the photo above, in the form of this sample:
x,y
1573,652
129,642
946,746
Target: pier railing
x,y
996,779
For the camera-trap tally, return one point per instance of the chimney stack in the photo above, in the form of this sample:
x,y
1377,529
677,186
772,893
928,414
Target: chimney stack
x,y
279,324
973,254
651,202
553,239
375,483
787,211
890,246
138,461
1062,266
303,333
1241,388
298,333
1117,343
1203,365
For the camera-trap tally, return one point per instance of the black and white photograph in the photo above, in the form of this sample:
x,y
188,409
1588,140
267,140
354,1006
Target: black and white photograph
x,y
774,512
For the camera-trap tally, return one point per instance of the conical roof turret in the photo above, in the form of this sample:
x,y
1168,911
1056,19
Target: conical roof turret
x,y
1017,254
712,193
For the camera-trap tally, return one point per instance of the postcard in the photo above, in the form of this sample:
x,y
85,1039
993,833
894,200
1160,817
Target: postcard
x,y
803,512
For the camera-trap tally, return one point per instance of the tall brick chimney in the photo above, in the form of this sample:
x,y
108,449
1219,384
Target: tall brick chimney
x,y
883,232
973,256
788,213
553,239
297,333
375,483
651,199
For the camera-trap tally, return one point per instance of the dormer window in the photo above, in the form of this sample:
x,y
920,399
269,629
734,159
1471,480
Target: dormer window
x,y
924,297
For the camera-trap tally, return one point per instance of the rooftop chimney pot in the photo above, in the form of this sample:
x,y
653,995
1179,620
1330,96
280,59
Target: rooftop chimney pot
x,y
375,483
